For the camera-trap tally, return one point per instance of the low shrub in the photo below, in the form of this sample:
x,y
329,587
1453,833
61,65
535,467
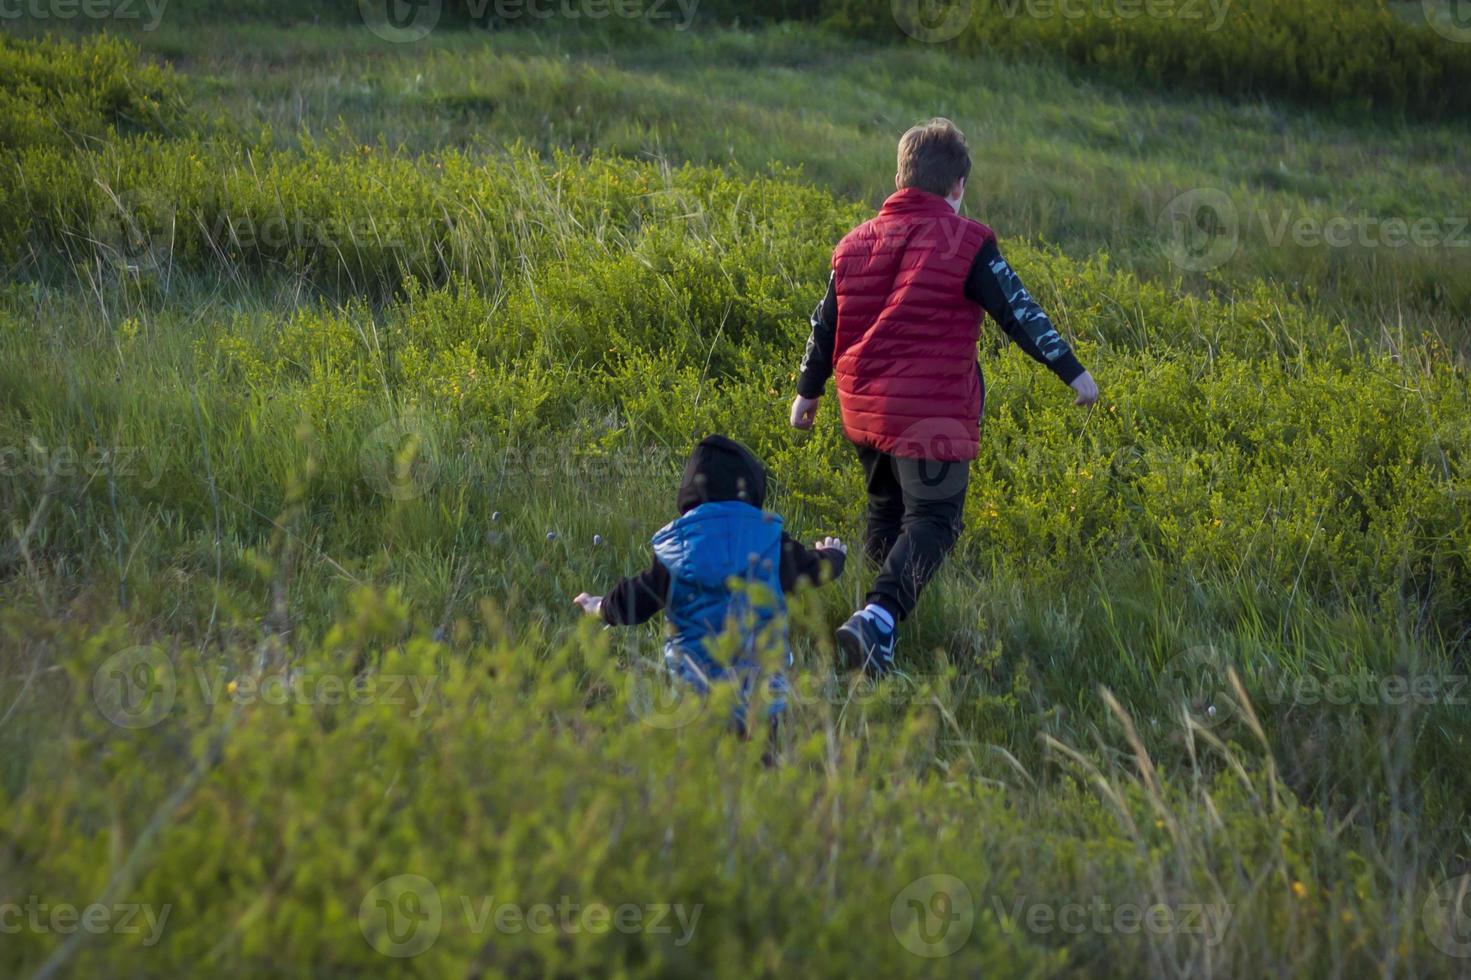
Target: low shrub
x,y
1355,55
71,95
369,798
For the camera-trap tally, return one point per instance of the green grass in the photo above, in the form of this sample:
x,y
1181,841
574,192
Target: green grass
x,y
205,462
1076,164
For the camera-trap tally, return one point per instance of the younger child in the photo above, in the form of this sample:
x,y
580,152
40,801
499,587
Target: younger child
x,y
723,566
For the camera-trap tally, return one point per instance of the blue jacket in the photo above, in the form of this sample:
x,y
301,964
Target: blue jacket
x,y
724,563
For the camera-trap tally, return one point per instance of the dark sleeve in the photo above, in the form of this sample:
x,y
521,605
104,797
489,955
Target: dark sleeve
x,y
817,359
799,563
994,285
636,598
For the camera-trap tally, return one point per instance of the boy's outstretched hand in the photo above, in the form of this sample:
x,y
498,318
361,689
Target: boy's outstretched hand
x,y
1084,385
834,544
804,411
590,604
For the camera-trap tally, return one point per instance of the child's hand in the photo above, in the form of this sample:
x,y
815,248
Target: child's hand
x,y
804,412
833,543
591,604
1086,388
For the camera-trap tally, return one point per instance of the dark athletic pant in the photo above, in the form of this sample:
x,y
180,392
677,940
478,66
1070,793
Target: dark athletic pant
x,y
914,517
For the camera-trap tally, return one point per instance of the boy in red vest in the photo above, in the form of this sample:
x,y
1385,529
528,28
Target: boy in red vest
x,y
899,327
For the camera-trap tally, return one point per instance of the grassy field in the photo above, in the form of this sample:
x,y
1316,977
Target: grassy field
x,y
333,368
799,98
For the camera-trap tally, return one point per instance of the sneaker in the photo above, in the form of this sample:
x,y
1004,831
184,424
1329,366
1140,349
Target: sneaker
x,y
866,646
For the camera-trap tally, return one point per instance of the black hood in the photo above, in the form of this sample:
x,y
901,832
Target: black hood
x,y
721,469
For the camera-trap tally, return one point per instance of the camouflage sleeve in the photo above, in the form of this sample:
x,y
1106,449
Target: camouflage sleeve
x,y
994,285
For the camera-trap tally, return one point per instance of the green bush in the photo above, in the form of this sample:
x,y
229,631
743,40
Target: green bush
x,y
67,96
648,291
1353,54
304,787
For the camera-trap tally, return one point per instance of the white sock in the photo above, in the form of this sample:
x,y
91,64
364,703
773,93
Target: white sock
x,y
879,615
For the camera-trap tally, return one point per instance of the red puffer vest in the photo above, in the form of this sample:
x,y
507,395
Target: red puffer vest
x,y
905,353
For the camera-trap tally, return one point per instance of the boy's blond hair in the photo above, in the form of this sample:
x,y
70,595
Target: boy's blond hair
x,y
933,156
